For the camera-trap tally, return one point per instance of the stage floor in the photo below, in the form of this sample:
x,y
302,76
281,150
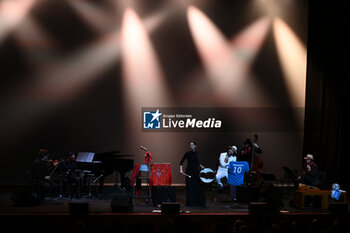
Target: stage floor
x,y
219,216
222,205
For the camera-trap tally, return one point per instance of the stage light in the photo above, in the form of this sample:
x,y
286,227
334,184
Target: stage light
x,y
292,55
13,12
227,64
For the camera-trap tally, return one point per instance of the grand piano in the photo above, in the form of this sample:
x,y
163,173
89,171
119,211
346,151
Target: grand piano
x,y
105,163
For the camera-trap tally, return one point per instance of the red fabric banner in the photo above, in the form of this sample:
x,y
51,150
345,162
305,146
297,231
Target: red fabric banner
x,y
135,173
161,174
148,157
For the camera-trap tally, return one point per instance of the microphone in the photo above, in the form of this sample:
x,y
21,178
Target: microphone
x,y
143,148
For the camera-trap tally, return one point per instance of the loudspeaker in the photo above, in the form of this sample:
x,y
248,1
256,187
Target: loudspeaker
x,y
170,208
24,197
122,202
257,207
163,194
272,197
78,208
338,207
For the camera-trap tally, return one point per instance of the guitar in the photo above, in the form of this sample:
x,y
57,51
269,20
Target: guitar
x,y
254,145
256,164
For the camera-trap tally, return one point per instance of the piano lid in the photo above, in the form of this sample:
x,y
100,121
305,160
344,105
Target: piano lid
x,y
114,154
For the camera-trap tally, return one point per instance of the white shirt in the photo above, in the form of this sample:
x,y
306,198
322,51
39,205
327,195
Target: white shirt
x,y
222,160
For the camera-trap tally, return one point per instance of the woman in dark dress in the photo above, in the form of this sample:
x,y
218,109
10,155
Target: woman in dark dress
x,y
194,192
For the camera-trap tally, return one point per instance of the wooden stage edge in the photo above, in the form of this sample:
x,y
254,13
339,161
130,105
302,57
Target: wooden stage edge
x,y
51,222
160,214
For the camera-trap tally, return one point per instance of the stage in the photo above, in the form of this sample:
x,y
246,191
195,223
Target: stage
x,y
55,216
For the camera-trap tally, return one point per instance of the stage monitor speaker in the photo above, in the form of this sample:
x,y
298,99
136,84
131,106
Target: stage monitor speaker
x,y
170,207
163,194
338,207
258,207
122,202
23,197
78,208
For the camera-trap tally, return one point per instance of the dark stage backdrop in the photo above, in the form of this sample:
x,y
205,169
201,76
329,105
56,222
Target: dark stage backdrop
x,y
327,115
75,75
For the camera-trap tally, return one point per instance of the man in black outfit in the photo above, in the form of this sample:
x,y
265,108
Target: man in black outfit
x,y
69,175
247,152
310,172
41,172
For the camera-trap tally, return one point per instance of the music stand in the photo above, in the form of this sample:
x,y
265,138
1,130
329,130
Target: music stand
x,y
85,157
291,175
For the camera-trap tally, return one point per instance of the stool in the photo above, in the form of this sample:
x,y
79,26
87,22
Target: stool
x,y
144,175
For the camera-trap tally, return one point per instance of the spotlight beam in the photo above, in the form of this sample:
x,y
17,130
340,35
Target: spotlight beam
x,y
226,62
12,12
61,79
93,16
292,55
143,82
53,86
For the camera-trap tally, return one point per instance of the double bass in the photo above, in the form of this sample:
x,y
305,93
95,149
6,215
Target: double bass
x,y
256,164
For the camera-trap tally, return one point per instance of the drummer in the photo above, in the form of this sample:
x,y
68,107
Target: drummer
x,y
224,159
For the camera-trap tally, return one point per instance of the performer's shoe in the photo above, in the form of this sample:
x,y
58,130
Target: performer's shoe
x,y
235,203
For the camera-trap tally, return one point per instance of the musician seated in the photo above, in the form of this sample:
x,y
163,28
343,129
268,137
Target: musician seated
x,y
310,174
41,174
224,159
70,176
